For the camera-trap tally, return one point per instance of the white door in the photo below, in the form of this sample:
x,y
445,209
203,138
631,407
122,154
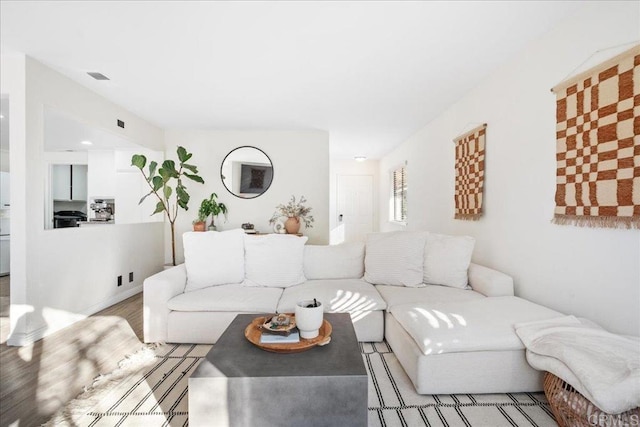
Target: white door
x,y
5,198
354,208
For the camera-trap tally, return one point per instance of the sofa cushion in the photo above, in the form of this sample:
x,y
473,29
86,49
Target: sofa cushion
x,y
235,297
484,324
213,258
395,258
338,296
446,260
274,260
396,295
345,261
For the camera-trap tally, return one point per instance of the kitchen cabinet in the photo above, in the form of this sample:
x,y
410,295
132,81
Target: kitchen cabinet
x,y
69,182
102,174
5,199
79,182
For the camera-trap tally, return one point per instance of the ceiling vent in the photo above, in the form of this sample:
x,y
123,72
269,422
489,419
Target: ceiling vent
x,y
98,76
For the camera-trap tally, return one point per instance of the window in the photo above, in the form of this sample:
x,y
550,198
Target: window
x,y
399,194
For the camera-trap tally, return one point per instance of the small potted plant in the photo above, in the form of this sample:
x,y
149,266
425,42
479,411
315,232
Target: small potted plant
x,y
294,212
209,207
200,223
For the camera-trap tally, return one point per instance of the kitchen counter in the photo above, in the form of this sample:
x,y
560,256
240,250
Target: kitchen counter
x,y
95,222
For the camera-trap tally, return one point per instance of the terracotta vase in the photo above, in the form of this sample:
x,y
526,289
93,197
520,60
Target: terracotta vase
x,y
292,225
200,226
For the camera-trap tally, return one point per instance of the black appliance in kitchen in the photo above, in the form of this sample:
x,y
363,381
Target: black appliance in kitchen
x,y
65,219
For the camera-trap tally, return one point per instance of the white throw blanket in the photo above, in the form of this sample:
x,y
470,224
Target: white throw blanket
x,y
603,367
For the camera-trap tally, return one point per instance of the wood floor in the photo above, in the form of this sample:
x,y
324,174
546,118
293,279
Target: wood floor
x,y
36,380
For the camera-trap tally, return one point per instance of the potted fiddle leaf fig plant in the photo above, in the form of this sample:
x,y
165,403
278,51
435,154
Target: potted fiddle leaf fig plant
x,y
163,180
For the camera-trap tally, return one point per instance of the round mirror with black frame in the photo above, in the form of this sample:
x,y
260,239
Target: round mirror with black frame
x,y
246,172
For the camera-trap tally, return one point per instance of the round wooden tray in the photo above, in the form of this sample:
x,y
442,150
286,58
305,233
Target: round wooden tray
x,y
253,331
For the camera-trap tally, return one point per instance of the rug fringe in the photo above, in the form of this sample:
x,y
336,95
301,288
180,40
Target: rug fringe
x,y
468,217
597,222
86,400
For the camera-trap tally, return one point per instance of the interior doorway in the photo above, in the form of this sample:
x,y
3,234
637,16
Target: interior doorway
x,y
354,208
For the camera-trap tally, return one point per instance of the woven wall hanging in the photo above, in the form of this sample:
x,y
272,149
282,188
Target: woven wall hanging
x,y
598,145
470,153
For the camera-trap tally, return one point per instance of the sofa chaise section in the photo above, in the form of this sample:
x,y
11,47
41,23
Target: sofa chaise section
x,y
450,322
466,346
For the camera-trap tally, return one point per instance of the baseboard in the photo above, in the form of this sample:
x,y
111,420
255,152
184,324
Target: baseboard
x,y
113,300
19,339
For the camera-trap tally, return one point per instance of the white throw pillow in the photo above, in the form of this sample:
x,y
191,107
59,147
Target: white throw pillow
x,y
213,258
274,260
395,258
447,259
344,261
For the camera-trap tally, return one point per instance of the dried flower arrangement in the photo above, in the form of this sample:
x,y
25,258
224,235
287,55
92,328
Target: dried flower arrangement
x,y
294,209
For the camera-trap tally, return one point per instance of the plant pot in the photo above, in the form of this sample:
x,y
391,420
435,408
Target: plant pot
x,y
309,318
292,225
212,227
200,226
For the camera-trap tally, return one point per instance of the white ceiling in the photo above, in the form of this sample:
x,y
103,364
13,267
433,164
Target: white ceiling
x,y
370,73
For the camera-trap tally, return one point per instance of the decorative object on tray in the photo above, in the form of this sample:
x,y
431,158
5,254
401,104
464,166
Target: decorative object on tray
x,y
597,182
469,184
253,332
295,212
309,317
280,324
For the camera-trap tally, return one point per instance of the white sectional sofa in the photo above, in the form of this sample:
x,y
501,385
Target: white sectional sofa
x,y
275,272
449,321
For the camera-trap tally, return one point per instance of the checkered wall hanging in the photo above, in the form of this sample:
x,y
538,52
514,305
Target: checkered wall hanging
x,y
470,149
598,145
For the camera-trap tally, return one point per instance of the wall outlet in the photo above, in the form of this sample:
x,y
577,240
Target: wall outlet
x,y
119,280
130,276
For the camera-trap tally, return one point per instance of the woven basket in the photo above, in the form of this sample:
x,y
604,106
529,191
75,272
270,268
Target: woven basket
x,y
572,409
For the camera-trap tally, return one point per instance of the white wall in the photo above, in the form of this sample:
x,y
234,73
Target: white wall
x,y
593,273
300,167
59,276
4,161
351,167
12,84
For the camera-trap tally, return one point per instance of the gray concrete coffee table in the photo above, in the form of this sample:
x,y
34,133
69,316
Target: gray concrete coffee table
x,y
239,384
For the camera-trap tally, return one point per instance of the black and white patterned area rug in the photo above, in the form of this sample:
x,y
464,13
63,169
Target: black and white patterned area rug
x,y
393,400
150,389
